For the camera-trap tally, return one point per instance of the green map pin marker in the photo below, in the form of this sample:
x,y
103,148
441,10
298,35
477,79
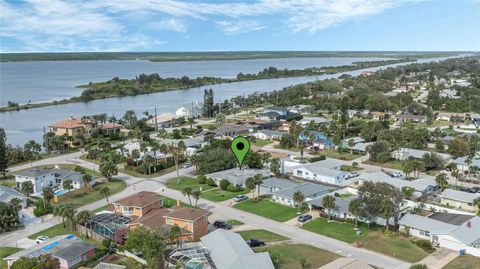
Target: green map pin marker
x,y
240,147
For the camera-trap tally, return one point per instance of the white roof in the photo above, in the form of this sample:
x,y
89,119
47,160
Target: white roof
x,y
416,153
237,176
419,185
459,195
426,224
230,251
325,164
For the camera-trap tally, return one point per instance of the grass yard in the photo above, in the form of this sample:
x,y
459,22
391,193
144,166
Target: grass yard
x,y
136,174
268,209
398,247
4,252
88,197
349,168
234,222
263,235
291,254
60,230
261,143
465,262
219,195
340,231
8,182
187,182
342,156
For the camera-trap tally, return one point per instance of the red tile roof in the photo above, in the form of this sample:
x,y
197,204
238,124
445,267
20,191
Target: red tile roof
x,y
140,199
72,123
185,213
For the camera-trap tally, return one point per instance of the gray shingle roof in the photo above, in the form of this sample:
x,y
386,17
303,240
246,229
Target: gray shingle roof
x,y
279,183
420,184
7,194
468,232
307,189
229,251
237,176
33,172
426,224
328,164
459,195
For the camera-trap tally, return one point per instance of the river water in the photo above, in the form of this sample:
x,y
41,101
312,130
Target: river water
x,y
41,81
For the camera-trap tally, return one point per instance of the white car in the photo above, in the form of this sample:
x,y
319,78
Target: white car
x,y
240,198
42,239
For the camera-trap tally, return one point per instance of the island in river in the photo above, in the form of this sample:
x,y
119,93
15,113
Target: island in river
x,y
144,84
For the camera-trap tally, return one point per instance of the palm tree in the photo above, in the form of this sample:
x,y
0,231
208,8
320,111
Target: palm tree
x,y
476,202
196,196
356,208
191,121
328,202
27,188
351,143
407,167
67,184
257,178
187,191
59,211
250,184
82,217
301,147
48,194
105,192
87,179
176,151
441,180
298,198
456,175
69,213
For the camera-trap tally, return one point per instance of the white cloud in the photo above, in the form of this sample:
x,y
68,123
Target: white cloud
x,y
238,27
61,25
169,25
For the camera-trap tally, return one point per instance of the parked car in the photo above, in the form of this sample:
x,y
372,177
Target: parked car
x,y
304,217
476,188
240,198
393,174
187,165
465,189
42,239
353,174
222,225
255,243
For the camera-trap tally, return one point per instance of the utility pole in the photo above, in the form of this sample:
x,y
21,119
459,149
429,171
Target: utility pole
x,y
45,139
156,124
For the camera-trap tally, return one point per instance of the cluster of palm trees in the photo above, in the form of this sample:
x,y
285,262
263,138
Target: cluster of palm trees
x,y
70,216
413,165
190,193
253,183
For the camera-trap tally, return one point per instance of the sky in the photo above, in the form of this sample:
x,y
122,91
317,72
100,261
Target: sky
x,y
254,25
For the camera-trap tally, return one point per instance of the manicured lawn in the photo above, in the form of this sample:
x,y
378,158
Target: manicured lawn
x,y
465,262
261,143
340,231
219,195
291,254
9,181
88,197
234,222
187,182
263,235
268,209
342,156
60,230
136,174
349,168
398,247
4,252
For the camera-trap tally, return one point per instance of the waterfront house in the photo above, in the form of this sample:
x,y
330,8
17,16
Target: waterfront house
x,y
192,110
73,126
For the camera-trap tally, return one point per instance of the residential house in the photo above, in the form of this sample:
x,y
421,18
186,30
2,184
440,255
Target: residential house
x,y
259,124
300,109
422,186
232,130
273,184
316,140
409,117
129,147
274,113
407,153
110,128
449,93
317,120
236,176
327,171
147,209
220,249
68,249
345,143
280,110
309,191
459,199
452,231
193,144
266,134
73,126
164,120
7,194
362,147
378,116
463,165
192,110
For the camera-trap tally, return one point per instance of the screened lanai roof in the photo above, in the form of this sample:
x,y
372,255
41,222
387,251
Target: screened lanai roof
x,y
108,223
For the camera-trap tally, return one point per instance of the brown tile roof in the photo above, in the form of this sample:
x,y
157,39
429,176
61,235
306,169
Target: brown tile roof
x,y
111,126
71,123
185,213
140,199
154,218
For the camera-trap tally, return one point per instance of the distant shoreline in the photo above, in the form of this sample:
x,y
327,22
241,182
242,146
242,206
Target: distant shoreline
x,y
211,56
101,90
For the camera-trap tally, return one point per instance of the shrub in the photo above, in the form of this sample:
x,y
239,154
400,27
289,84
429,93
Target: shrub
x,y
232,188
202,179
354,164
224,184
42,209
211,182
389,233
79,169
425,245
419,266
336,194
316,159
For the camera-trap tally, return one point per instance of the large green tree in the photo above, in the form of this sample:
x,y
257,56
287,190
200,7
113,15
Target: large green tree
x,y
108,169
150,242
